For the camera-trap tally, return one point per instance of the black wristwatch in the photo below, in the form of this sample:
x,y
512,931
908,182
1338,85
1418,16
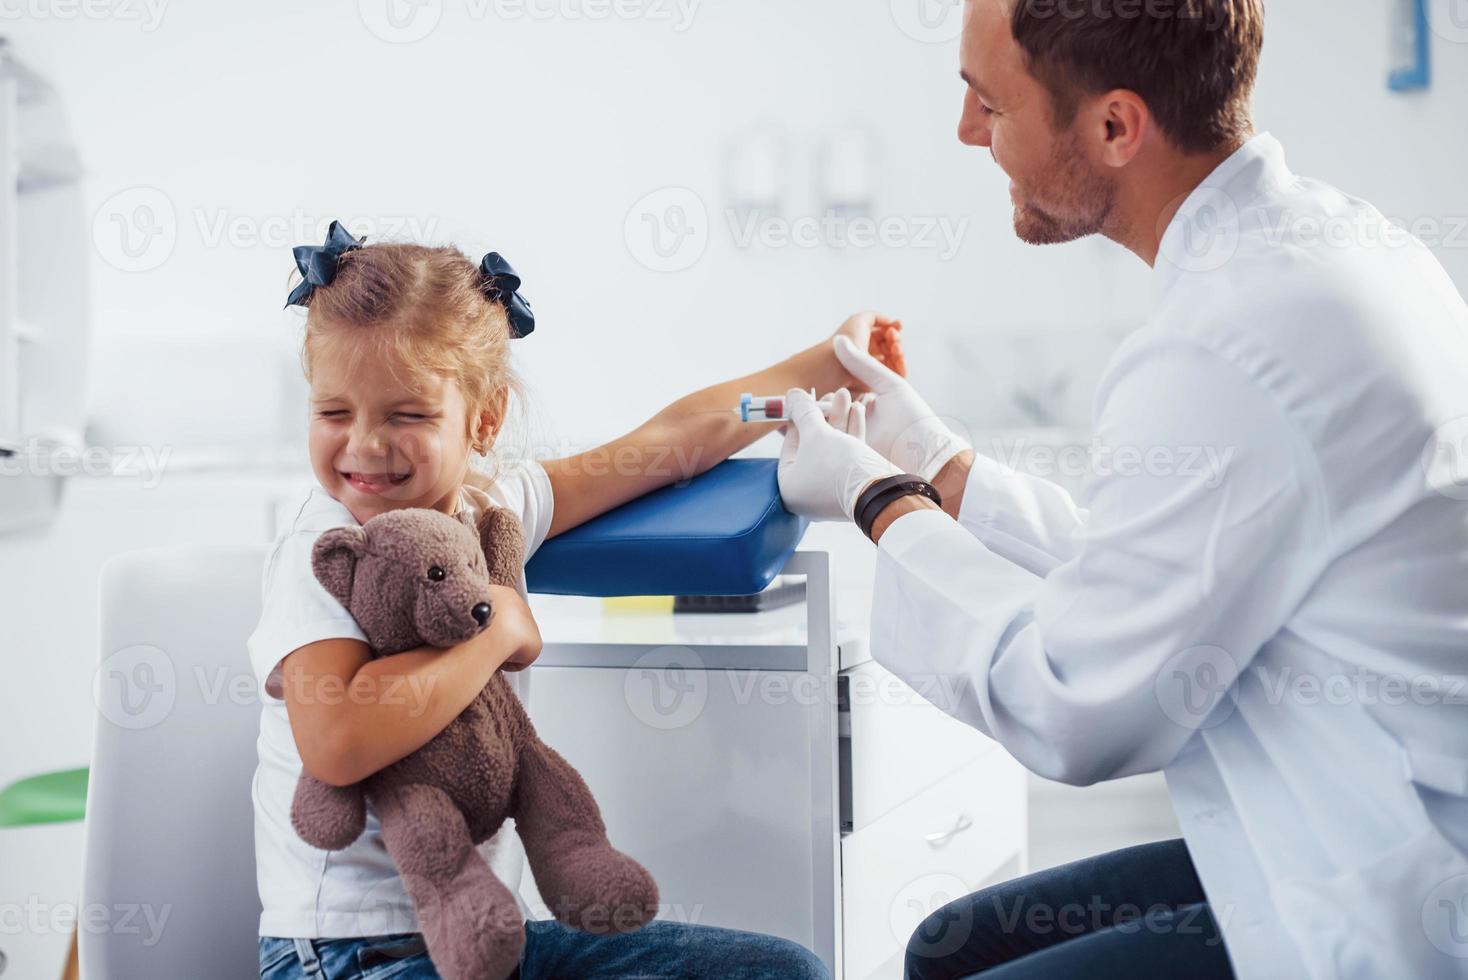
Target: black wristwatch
x,y
875,498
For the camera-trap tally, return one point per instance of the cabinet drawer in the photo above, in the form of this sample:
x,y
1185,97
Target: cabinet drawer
x,y
894,744
940,845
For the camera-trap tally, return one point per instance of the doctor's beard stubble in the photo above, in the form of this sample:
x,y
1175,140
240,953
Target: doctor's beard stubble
x,y
1083,200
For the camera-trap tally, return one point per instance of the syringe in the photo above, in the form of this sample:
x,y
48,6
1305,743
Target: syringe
x,y
771,408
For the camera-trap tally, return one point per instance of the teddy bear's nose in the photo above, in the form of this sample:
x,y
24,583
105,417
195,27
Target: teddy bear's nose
x,y
480,612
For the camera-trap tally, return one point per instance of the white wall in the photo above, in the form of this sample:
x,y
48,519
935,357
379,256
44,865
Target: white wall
x,y
537,138
1322,90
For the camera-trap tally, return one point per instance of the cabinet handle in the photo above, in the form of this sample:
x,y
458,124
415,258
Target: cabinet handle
x,y
942,837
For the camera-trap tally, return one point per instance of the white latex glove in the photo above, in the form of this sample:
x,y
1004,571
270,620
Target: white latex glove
x,y
899,424
824,466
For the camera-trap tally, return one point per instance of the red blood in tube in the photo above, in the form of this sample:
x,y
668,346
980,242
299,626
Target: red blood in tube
x,y
774,408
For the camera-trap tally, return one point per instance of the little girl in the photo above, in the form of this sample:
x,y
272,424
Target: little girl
x,y
407,354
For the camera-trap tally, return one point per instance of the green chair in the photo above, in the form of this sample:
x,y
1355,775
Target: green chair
x,y
51,797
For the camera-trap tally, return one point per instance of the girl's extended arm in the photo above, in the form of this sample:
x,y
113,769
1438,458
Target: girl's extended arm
x,y
352,716
697,431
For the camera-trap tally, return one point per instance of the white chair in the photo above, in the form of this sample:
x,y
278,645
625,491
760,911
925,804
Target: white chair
x,y
170,854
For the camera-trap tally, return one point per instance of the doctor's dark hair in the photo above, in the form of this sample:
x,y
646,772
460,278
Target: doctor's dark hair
x,y
1192,61
420,310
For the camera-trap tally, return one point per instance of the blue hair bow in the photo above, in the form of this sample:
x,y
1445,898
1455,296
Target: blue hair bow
x,y
318,262
502,284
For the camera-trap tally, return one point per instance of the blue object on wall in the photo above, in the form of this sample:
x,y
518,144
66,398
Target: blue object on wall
x,y
1411,53
725,532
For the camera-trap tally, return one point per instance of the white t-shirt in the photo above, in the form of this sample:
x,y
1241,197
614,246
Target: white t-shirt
x,y
316,894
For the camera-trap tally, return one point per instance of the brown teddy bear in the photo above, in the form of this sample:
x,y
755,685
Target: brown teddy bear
x,y
413,577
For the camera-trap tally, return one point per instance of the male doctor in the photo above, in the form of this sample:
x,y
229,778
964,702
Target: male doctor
x,y
1287,640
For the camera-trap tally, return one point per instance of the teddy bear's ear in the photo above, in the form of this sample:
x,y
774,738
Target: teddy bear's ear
x,y
466,519
334,560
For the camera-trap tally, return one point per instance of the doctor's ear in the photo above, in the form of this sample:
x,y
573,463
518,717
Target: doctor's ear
x,y
1120,120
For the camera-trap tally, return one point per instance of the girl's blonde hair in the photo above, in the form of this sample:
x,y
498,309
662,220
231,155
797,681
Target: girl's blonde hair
x,y
421,310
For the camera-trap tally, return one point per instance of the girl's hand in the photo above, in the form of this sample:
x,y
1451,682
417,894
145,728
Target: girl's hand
x,y
880,337
514,624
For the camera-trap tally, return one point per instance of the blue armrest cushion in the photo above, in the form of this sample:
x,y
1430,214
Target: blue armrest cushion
x,y
725,532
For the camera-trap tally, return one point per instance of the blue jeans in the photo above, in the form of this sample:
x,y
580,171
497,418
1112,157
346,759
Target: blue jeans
x,y
658,951
1137,912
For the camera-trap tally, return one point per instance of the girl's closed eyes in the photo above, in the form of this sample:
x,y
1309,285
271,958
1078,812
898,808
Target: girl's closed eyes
x,y
342,413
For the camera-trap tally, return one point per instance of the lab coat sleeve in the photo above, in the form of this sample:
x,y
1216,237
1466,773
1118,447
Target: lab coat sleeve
x,y
1025,518
1106,666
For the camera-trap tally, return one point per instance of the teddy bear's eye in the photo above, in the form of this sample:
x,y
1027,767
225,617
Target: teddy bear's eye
x,y
435,574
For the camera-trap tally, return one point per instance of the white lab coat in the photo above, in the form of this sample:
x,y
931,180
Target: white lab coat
x,y
1284,636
